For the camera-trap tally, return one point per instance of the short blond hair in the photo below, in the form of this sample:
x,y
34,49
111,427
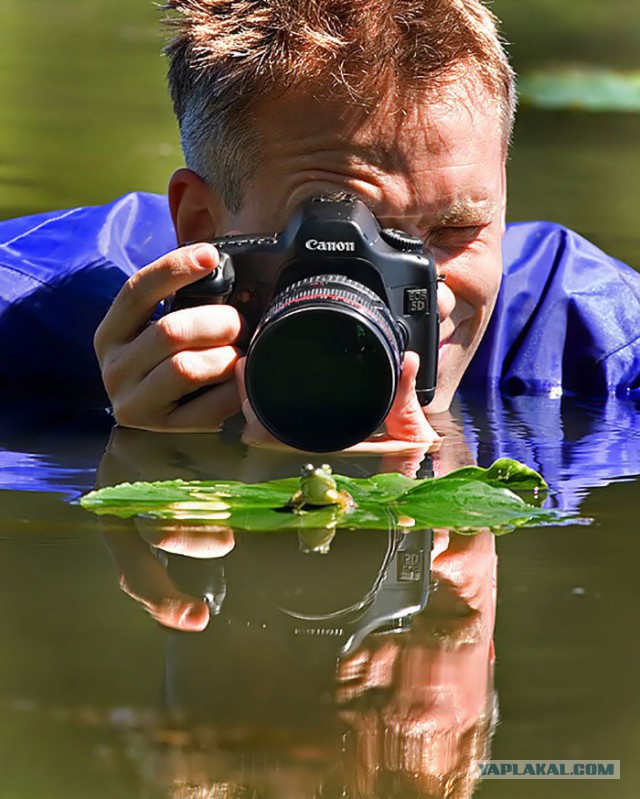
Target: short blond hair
x,y
227,55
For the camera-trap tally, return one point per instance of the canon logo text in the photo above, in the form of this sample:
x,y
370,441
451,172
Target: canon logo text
x,y
330,246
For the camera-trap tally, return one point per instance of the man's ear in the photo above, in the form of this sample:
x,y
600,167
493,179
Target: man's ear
x,y
503,210
197,211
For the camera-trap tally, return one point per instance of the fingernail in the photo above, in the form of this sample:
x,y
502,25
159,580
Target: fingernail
x,y
204,256
191,616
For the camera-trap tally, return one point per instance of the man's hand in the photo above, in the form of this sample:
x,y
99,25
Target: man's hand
x,y
406,421
148,367
143,577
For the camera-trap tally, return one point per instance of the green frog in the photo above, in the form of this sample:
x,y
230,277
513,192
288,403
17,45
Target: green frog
x,y
317,488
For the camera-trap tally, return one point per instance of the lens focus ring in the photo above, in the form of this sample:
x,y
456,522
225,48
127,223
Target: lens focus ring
x,y
340,290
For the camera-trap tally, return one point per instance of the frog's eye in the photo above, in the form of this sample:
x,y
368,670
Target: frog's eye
x,y
326,468
307,469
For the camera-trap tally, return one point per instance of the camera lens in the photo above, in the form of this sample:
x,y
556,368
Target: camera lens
x,y
324,364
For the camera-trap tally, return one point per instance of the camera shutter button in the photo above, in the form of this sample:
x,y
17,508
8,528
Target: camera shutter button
x,y
401,240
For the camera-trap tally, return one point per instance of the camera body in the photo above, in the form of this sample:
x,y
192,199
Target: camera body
x,y
332,258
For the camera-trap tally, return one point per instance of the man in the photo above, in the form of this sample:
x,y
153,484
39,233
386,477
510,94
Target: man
x,y
408,104
411,111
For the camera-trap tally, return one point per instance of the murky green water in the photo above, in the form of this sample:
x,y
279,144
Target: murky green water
x,y
98,700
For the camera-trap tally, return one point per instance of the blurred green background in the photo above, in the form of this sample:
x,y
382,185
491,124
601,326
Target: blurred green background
x,y
85,117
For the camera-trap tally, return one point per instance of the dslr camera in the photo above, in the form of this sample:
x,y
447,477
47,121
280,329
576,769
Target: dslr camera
x,y
332,301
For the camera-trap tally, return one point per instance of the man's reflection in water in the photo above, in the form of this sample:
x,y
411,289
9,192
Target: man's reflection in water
x,y
421,706
275,708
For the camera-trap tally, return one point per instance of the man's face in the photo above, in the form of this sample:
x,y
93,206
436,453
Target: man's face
x,y
434,169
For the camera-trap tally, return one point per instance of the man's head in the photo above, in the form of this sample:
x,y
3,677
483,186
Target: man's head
x,y
408,103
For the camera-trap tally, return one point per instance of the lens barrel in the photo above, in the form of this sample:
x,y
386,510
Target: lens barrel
x,y
324,364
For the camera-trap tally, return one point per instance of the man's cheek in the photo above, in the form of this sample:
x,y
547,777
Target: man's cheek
x,y
475,275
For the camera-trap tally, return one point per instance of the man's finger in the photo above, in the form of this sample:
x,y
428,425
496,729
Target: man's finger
x,y
140,295
189,370
203,327
144,578
154,406
406,420
202,541
207,412
407,462
158,395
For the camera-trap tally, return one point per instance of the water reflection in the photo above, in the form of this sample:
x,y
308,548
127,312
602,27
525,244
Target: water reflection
x,y
301,674
577,444
421,707
267,703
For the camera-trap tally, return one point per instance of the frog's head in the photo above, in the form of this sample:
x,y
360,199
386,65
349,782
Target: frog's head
x,y
316,483
308,469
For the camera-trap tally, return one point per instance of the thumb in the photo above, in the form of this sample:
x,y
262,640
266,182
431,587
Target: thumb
x,y
406,420
144,578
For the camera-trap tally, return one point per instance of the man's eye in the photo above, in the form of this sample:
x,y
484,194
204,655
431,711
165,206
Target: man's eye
x,y
453,236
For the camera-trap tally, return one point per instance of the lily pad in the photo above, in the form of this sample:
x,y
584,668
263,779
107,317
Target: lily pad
x,y
582,89
466,500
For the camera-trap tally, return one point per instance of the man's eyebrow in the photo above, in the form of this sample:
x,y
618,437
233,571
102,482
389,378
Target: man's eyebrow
x,y
466,212
463,212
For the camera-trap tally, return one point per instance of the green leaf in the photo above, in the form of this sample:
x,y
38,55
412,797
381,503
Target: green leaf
x,y
502,473
466,500
463,503
381,488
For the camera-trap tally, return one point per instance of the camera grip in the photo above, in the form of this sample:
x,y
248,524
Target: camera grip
x,y
427,373
213,289
425,395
